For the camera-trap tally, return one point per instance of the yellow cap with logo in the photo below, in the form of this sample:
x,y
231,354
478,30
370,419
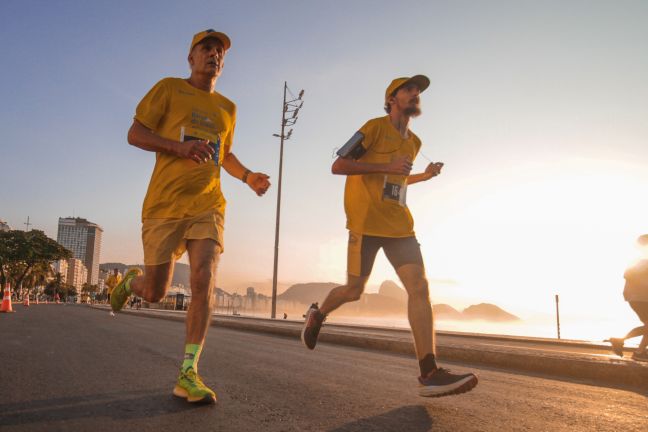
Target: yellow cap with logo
x,y
211,33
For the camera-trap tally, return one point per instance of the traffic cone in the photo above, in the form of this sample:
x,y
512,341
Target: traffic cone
x,y
36,298
26,301
6,300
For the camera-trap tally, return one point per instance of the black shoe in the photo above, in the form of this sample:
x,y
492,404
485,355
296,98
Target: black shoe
x,y
312,326
640,356
440,382
617,345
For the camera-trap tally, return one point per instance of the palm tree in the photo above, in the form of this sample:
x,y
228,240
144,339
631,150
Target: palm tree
x,y
40,274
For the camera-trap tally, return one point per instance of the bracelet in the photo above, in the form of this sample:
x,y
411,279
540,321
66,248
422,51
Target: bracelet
x,y
245,176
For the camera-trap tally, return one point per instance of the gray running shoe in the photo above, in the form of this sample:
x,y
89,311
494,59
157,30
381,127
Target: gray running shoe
x,y
441,382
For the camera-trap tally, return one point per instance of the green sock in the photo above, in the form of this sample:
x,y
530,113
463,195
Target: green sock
x,y
192,353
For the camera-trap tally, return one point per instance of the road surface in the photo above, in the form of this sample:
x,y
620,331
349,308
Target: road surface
x,y
73,368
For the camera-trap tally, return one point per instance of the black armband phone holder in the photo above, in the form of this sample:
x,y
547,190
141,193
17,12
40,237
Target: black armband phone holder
x,y
353,148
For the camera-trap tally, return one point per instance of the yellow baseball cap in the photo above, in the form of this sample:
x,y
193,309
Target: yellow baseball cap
x,y
421,81
210,33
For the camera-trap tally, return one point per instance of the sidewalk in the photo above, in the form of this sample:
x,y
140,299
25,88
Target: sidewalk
x,y
558,358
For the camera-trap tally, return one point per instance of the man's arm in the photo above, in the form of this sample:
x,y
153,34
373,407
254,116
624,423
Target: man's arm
x,y
142,137
433,169
399,166
258,182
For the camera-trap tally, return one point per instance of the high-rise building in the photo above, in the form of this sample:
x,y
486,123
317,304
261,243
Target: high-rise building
x,y
61,267
83,238
77,274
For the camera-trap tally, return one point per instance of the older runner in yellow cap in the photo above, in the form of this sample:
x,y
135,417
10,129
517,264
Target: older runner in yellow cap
x,y
190,127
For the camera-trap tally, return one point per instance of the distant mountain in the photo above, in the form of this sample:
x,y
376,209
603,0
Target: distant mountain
x,y
390,300
391,289
446,311
489,312
307,293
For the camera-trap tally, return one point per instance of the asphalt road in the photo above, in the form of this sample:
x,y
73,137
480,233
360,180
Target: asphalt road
x,y
73,368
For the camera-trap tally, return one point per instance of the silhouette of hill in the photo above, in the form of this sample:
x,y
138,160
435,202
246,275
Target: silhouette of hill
x,y
489,312
391,289
391,299
307,293
446,311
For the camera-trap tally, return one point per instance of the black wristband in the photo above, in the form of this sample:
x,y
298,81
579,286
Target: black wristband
x,y
245,176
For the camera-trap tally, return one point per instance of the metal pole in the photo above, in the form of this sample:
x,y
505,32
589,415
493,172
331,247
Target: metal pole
x,y
557,316
276,245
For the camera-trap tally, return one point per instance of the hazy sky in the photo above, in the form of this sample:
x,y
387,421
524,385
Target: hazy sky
x,y
538,110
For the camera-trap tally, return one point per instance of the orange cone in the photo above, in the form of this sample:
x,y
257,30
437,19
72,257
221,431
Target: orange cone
x,y
26,301
6,300
36,298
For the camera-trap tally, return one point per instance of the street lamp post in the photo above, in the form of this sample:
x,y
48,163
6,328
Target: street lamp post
x,y
289,111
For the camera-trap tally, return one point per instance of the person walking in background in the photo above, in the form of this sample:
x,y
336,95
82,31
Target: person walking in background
x,y
112,281
377,162
190,127
635,293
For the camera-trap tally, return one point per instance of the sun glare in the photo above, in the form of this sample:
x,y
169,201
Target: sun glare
x,y
566,229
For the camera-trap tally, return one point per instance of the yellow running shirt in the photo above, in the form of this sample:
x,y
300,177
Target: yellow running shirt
x,y
175,110
375,203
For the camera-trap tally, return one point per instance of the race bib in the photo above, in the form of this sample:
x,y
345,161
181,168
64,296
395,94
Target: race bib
x,y
395,190
214,141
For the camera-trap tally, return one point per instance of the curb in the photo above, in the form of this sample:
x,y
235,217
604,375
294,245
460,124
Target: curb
x,y
597,369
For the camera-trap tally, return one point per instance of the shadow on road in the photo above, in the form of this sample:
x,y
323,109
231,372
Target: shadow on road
x,y
116,406
413,418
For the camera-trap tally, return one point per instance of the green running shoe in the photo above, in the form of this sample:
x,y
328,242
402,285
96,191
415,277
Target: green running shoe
x,y
191,387
120,294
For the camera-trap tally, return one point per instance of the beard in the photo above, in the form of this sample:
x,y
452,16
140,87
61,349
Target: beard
x,y
412,111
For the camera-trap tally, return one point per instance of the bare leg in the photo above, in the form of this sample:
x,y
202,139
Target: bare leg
x,y
155,282
203,258
644,342
419,308
344,293
638,331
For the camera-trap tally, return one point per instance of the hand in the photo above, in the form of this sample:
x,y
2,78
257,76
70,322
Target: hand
x,y
258,182
433,169
400,166
198,151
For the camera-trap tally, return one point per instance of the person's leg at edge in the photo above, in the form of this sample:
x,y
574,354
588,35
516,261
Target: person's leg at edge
x,y
641,309
203,259
635,332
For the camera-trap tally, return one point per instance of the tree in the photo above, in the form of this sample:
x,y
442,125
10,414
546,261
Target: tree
x,y
55,285
21,252
90,290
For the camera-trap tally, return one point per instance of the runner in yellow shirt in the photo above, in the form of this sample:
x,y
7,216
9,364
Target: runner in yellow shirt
x,y
190,127
377,162
112,281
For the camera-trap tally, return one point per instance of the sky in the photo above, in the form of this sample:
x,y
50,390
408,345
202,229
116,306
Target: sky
x,y
537,109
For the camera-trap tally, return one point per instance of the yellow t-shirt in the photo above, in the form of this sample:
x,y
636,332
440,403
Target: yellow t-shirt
x,y
175,110
112,281
375,203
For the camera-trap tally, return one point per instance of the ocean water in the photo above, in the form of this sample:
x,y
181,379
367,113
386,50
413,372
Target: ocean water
x,y
592,329
595,330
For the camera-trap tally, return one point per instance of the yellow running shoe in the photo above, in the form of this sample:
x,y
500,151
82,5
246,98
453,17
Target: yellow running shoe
x,y
191,387
120,294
